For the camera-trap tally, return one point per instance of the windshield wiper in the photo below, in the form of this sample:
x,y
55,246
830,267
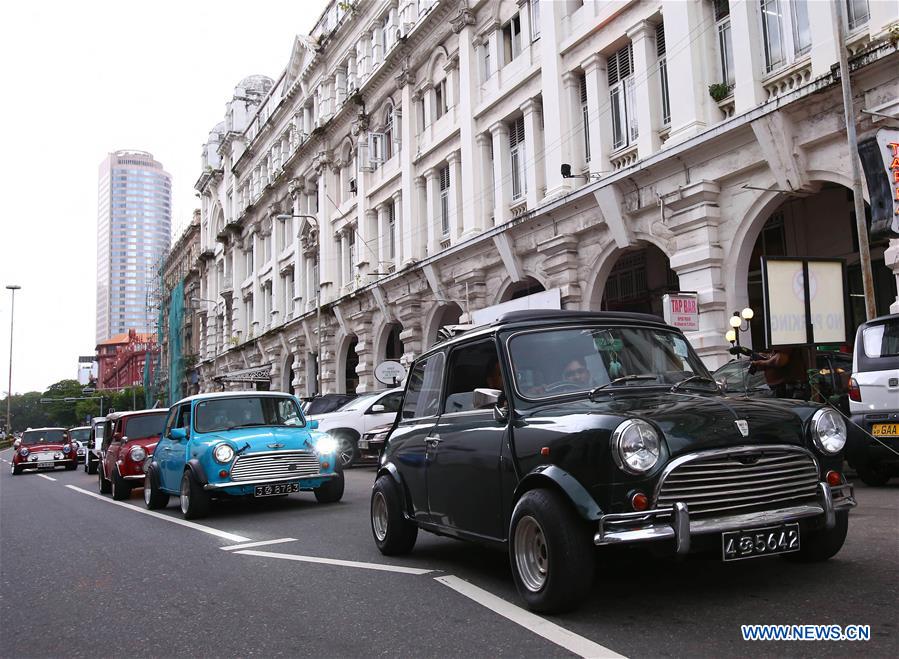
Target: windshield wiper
x,y
624,378
249,425
693,378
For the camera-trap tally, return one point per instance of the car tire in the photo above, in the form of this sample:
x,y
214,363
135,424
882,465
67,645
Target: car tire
x,y
72,467
153,498
551,552
347,449
105,485
332,490
121,489
393,533
821,544
194,499
871,476
92,467
15,470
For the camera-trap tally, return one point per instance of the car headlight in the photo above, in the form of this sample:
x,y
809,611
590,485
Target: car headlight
x,y
24,452
66,448
325,445
635,446
138,453
57,456
829,431
32,457
223,453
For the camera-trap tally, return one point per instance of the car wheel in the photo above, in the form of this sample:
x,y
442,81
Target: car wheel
x,y
821,544
347,450
551,552
871,476
153,498
105,485
194,499
15,470
72,467
332,490
121,490
92,467
393,533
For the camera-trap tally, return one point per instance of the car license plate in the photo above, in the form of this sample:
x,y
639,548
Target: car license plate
x,y
885,429
737,545
276,489
46,465
363,443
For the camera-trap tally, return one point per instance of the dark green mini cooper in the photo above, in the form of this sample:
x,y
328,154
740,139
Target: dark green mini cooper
x,y
551,432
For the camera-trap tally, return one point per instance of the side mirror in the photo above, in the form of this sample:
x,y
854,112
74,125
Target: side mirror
x,y
178,434
16,443
313,425
376,409
482,398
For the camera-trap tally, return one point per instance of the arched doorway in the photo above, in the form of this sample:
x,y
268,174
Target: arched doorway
x,y
393,347
523,288
449,314
287,375
638,280
350,378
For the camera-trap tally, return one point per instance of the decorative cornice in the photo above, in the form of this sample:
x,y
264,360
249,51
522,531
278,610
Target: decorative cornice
x,y
464,18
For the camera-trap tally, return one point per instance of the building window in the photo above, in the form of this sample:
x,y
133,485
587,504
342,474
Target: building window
x,y
858,13
585,116
772,33
802,35
350,254
388,133
444,200
316,280
663,74
249,262
485,59
786,34
288,293
267,301
422,117
621,96
440,99
725,49
391,230
518,155
534,8
512,39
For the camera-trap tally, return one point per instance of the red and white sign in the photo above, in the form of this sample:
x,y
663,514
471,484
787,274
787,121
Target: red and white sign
x,y
681,311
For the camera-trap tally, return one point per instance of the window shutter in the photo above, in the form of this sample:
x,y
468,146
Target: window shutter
x,y
583,86
516,133
621,64
660,40
444,179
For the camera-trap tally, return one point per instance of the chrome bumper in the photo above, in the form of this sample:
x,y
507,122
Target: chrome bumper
x,y
134,477
267,481
675,522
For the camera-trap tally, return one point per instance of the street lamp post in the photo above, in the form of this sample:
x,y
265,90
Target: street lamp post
x,y
12,314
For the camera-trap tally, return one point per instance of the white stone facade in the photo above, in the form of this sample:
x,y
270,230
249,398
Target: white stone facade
x,y
423,141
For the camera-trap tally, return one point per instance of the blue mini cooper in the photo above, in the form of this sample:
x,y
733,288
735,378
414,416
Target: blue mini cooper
x,y
240,444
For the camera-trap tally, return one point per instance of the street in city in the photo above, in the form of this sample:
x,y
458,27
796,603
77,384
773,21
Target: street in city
x,y
85,576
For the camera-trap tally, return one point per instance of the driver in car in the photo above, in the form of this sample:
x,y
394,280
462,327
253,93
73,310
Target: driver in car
x,y
575,372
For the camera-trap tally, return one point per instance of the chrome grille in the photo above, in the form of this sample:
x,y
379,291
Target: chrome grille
x,y
275,464
740,480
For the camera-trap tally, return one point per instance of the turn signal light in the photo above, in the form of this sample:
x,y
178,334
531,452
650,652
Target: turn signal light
x,y
223,473
834,478
855,393
639,501
325,465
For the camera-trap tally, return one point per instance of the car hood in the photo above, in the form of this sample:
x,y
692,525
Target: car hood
x,y
263,439
42,448
693,421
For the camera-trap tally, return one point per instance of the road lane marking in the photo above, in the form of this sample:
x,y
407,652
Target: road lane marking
x,y
335,561
552,632
247,545
174,520
47,477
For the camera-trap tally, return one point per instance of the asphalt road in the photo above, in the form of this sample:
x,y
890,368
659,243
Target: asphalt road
x,y
83,576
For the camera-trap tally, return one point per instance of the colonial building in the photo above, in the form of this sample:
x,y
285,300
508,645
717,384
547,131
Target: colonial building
x,y
420,160
122,359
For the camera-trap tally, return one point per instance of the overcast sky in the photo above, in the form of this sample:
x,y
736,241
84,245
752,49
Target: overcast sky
x,y
81,79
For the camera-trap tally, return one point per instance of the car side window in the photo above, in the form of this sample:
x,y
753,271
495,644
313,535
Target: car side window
x,y
391,402
472,366
423,391
183,420
170,421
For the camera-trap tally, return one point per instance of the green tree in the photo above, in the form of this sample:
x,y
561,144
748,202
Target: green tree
x,y
62,412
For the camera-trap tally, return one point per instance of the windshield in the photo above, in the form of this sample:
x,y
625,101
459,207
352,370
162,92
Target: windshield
x,y
49,436
230,413
80,434
562,361
735,377
148,425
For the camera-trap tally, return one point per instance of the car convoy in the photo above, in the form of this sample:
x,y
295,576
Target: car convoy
x,y
546,434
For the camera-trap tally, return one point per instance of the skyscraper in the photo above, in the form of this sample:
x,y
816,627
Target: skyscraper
x,y
134,220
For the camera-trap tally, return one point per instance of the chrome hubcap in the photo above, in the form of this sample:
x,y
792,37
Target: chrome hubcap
x,y
379,516
345,451
185,496
531,556
147,492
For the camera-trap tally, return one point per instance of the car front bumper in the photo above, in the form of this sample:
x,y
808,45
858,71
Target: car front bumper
x,y
675,523
29,464
246,487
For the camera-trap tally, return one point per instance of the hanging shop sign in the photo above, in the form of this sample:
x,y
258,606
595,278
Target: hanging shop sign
x,y
880,161
805,301
681,310
390,372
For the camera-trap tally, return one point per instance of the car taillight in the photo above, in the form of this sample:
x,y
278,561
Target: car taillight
x,y
855,393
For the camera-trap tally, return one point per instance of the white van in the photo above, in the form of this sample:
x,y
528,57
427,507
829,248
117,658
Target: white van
x,y
874,400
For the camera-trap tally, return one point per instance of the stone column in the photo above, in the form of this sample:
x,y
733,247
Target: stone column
x,y
533,145
328,248
398,221
571,82
749,54
485,198
364,253
419,235
555,100
454,163
647,90
822,18
346,275
470,178
502,169
377,43
600,124
340,78
381,213
411,224
432,199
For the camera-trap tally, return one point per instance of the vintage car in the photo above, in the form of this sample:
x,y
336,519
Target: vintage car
x,y
80,436
127,449
44,448
548,433
94,442
372,442
240,444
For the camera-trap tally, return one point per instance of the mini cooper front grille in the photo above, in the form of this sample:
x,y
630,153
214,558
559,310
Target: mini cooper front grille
x,y
277,464
740,481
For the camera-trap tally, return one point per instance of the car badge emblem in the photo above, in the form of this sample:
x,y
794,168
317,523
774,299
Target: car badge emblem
x,y
743,427
276,445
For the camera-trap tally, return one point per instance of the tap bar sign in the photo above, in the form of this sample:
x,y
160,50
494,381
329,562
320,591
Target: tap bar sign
x,y
879,155
681,310
805,301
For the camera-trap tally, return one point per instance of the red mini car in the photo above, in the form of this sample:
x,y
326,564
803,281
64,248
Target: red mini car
x,y
128,443
44,448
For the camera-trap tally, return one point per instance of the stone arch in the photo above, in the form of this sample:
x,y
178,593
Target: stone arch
x,y
287,373
511,290
388,341
657,270
345,344
434,71
444,314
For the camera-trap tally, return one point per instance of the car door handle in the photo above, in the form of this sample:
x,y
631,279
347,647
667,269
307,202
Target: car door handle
x,y
434,440
167,448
